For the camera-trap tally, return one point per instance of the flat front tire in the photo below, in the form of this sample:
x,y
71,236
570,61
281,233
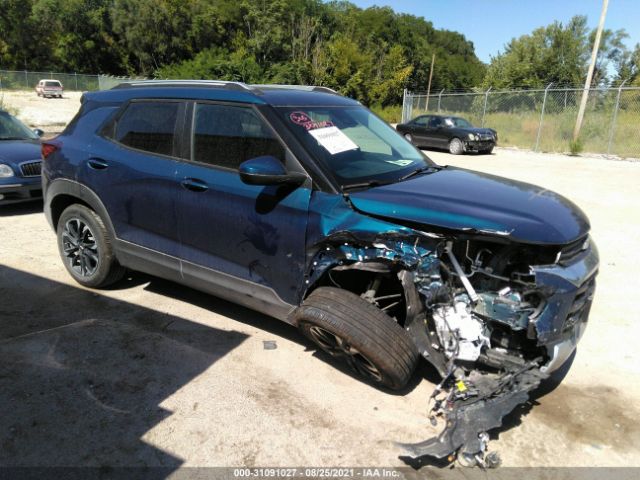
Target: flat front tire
x,y
456,147
86,248
356,332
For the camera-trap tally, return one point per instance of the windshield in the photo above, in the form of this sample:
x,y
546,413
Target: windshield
x,y
457,122
354,144
13,129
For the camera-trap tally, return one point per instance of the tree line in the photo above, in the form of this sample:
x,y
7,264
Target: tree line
x,y
370,54
560,54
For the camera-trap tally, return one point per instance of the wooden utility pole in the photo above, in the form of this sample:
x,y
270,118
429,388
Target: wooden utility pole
x,y
433,60
587,83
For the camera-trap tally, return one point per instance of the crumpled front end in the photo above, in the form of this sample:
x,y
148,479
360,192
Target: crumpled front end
x,y
511,324
494,316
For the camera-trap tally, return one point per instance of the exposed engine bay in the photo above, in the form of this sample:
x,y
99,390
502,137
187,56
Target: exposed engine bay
x,y
493,317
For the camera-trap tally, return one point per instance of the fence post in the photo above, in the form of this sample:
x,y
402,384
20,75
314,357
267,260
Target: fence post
x,y
612,129
76,77
544,103
484,109
404,104
26,79
440,99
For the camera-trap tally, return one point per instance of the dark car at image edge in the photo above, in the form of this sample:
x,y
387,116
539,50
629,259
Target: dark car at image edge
x,y
20,161
450,133
302,204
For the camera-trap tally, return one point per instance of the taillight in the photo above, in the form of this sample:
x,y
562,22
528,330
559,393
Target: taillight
x,y
48,148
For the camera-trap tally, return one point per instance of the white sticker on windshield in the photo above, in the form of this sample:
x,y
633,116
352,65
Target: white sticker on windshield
x,y
333,140
402,163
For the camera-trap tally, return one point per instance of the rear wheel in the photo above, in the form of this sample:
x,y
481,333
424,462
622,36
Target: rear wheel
x,y
456,147
86,248
356,332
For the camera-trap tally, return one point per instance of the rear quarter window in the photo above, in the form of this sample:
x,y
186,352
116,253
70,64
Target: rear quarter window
x,y
148,126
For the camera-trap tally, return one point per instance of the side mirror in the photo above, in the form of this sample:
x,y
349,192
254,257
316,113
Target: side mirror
x,y
38,132
268,170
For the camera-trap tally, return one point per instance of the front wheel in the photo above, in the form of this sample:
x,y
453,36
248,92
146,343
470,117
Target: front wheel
x,y
456,147
86,248
354,331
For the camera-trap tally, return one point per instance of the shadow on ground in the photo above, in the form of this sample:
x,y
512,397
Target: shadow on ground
x,y
23,208
271,325
82,376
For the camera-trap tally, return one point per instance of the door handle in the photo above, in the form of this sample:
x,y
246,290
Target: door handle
x,y
194,185
97,164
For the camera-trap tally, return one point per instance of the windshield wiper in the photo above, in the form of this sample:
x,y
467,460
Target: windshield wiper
x,y
367,184
13,138
418,171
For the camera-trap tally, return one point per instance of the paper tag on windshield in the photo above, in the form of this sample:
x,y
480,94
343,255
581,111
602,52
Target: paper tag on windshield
x,y
333,140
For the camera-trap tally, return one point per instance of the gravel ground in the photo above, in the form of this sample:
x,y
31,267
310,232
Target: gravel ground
x,y
49,114
152,373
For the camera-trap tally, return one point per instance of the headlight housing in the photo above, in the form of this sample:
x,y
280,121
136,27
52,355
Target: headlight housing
x,y
472,136
5,171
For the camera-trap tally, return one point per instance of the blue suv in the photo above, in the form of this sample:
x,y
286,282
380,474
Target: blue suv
x,y
304,205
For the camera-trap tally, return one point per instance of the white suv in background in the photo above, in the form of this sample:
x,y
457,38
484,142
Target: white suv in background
x,y
49,88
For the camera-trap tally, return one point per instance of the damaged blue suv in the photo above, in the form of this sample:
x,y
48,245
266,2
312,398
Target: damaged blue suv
x,y
304,205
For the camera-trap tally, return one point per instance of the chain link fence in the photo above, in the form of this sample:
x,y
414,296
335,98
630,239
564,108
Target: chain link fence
x,y
544,119
27,80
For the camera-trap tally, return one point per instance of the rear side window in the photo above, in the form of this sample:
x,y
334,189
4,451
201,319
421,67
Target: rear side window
x,y
148,126
226,136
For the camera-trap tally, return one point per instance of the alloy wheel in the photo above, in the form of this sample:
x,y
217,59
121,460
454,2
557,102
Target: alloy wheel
x,y
337,347
80,247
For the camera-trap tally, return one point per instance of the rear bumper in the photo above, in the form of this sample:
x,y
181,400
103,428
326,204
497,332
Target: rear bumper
x,y
20,190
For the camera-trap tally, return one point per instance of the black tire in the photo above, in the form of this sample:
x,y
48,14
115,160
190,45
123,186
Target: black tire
x,y
488,151
86,248
357,332
456,147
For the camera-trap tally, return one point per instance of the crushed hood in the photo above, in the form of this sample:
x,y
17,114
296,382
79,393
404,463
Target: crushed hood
x,y
459,199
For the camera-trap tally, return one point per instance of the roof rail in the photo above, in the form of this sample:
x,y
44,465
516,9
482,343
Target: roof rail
x,y
306,88
181,83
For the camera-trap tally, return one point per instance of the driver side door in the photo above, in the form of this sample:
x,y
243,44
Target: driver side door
x,y
242,242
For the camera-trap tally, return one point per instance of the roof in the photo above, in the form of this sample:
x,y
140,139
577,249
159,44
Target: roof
x,y
277,95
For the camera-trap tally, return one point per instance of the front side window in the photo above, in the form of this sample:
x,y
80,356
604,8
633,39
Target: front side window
x,y
435,122
355,145
227,135
457,122
148,126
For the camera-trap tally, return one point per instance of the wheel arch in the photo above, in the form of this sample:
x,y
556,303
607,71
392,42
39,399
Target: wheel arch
x,y
61,193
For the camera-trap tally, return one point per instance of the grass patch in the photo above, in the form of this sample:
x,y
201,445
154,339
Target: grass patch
x,y
390,114
575,147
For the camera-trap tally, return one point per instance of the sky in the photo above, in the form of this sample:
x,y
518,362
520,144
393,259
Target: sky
x,y
490,24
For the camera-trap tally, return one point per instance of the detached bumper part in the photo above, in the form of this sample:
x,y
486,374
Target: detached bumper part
x,y
467,420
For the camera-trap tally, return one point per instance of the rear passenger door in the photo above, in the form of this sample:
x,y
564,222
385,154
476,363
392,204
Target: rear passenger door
x,y
133,171
248,240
